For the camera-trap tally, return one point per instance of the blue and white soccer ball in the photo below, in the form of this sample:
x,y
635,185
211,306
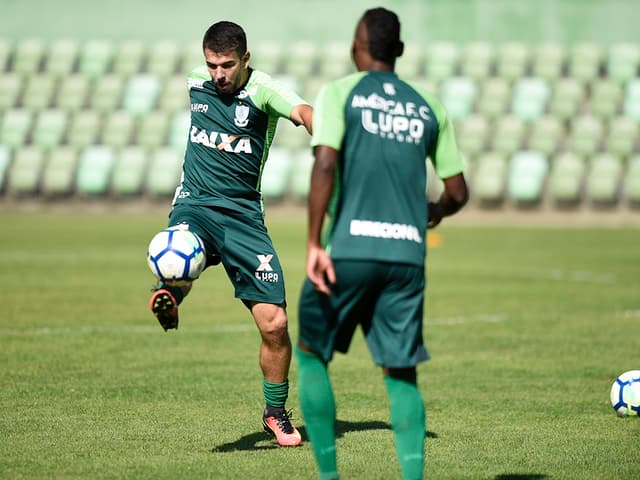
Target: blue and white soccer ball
x,y
625,394
176,255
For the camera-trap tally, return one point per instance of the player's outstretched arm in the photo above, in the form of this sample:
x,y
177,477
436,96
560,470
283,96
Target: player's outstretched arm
x,y
302,114
452,199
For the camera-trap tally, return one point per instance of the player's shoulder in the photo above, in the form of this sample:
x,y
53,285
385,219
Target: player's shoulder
x,y
428,96
341,86
197,76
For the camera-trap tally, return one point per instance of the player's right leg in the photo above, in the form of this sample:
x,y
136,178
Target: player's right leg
x,y
164,303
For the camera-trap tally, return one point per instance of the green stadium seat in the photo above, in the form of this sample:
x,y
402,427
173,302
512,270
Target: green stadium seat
x,y
25,171
107,93
530,98
489,178
548,61
546,134
334,60
632,181
163,175
192,56
494,97
6,53
311,88
622,136
10,88
606,97
140,94
586,135
72,93
153,129
39,92
477,60
458,95
290,137
174,95
604,178
95,58
59,172
128,58
15,127
5,161
508,134
442,61
84,129
567,97
61,57
623,60
512,60
50,127
526,177
585,60
268,57
566,179
179,130
472,134
28,56
276,173
300,59
163,58
631,106
118,129
301,174
410,65
94,170
129,171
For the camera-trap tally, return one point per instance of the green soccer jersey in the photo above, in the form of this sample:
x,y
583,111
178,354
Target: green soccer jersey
x,y
229,140
384,129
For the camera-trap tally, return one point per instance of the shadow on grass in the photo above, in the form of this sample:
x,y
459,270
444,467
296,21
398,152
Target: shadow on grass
x,y
265,441
521,476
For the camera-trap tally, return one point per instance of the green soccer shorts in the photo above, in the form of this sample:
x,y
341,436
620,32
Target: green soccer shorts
x,y
385,299
244,245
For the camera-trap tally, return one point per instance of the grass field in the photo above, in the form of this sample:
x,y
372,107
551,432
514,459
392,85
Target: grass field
x,y
528,328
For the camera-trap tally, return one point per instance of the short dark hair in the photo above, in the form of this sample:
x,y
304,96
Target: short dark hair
x,y
383,28
224,36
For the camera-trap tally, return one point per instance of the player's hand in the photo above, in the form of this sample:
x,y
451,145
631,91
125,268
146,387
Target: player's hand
x,y
435,215
320,269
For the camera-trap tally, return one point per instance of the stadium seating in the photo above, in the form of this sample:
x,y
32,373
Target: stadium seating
x,y
94,170
575,105
59,172
526,177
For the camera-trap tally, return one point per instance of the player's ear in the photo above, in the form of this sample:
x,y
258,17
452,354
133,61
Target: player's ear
x,y
245,58
399,49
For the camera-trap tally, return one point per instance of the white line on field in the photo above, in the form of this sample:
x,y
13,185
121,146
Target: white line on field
x,y
466,319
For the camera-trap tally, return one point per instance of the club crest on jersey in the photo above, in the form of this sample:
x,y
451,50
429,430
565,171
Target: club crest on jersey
x,y
242,115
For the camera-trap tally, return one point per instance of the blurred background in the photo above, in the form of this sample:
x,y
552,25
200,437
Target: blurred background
x,y
545,95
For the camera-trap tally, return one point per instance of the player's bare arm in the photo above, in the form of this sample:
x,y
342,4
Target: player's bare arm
x,y
452,199
319,265
302,114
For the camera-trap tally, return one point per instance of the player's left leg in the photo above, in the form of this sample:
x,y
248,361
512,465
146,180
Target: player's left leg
x,y
408,420
275,359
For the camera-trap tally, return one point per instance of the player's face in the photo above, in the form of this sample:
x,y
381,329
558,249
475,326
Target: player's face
x,y
228,71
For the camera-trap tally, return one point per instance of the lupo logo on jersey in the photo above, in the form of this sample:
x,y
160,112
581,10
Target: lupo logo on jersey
x,y
265,272
401,121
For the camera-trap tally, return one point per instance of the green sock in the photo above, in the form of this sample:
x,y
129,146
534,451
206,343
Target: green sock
x,y
408,422
319,410
275,394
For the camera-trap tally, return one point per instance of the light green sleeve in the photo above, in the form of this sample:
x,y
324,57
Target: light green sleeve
x,y
445,156
271,95
329,111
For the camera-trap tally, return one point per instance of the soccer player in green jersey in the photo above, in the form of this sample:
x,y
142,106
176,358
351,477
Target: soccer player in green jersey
x,y
372,135
234,111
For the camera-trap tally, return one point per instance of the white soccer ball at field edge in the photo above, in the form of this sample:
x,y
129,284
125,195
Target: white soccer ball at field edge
x,y
176,255
625,394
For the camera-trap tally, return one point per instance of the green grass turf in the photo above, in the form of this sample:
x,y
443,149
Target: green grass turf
x,y
528,328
